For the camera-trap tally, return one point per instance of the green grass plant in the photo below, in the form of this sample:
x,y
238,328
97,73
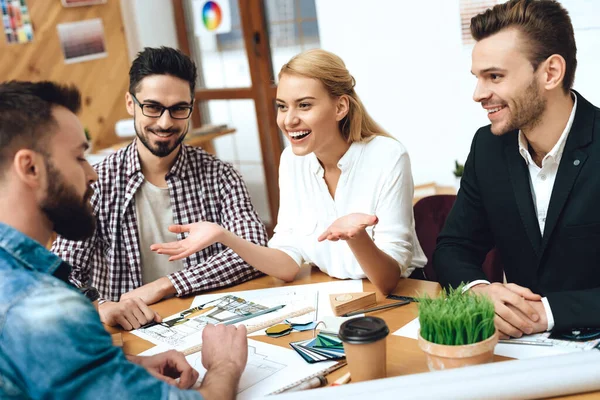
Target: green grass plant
x,y
455,318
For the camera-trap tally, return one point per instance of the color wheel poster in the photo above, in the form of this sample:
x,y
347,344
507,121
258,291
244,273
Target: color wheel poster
x,y
211,17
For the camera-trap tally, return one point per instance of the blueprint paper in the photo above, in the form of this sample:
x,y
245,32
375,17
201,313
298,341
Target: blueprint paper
x,y
185,335
269,368
294,297
538,378
184,329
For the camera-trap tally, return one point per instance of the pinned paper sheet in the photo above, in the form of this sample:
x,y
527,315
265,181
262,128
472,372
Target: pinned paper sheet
x,y
519,351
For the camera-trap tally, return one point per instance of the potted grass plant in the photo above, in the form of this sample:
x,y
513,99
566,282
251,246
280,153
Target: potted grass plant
x,y
459,169
457,329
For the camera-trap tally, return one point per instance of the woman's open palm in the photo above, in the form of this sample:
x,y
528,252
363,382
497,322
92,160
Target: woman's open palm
x,y
348,226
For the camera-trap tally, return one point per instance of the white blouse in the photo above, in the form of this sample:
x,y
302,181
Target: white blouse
x,y
376,179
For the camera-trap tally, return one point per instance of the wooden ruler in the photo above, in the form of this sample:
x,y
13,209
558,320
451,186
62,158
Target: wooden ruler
x,y
260,326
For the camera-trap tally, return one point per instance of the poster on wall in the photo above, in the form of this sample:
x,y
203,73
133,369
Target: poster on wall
x,y
211,17
78,3
16,21
82,40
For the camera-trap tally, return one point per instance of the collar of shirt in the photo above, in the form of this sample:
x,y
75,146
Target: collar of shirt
x,y
180,167
352,154
556,153
30,253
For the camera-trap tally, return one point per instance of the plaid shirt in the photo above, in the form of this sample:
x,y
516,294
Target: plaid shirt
x,y
201,187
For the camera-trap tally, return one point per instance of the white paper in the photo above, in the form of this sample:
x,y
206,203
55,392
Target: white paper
x,y
269,368
519,351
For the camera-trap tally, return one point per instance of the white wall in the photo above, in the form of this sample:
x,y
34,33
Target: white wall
x,y
413,74
148,23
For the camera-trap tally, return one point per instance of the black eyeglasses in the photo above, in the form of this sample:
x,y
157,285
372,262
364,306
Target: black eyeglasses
x,y
156,110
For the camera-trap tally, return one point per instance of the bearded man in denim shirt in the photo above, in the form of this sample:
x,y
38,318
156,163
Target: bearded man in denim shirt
x,y
52,343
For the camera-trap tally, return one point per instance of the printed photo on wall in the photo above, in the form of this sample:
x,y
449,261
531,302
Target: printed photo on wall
x,y
78,3
82,40
16,21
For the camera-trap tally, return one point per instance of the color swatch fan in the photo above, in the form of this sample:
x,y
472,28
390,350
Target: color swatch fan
x,y
324,347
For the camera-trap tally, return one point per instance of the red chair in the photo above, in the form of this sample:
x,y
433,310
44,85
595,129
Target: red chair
x,y
430,216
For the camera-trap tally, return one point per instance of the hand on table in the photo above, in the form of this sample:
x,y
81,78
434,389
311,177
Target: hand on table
x,y
130,313
348,227
201,235
542,324
152,292
169,366
507,299
225,347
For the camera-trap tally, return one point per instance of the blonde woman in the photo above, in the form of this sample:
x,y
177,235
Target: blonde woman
x,y
345,185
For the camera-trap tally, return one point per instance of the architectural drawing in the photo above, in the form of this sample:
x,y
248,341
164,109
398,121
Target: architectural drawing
x,y
184,329
258,368
269,368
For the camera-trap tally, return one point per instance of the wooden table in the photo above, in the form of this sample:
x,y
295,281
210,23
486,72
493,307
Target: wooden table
x,y
403,354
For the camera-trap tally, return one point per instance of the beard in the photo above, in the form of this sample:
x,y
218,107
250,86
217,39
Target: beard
x,y
160,149
71,215
527,110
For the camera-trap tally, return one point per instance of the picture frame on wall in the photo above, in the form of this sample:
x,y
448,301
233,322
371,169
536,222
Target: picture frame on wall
x,y
16,21
82,40
80,3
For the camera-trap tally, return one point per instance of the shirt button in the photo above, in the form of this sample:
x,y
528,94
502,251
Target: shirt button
x,y
543,177
576,162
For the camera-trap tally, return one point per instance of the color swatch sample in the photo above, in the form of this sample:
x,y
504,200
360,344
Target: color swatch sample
x,y
16,21
82,40
212,15
322,348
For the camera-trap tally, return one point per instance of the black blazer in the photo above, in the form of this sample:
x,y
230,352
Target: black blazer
x,y
495,207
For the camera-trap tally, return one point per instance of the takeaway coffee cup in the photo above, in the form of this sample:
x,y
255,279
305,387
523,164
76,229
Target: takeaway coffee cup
x,y
364,344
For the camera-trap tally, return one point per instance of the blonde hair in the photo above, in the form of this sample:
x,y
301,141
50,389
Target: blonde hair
x,y
330,70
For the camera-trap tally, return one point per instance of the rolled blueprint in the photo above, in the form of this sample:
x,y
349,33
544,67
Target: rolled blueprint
x,y
518,379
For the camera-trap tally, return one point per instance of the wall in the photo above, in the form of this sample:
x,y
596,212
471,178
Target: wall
x,y
103,82
148,23
413,73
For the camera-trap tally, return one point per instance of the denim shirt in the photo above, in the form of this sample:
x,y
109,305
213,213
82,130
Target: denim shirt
x,y
52,343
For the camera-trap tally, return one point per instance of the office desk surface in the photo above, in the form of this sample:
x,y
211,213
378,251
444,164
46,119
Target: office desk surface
x,y
403,354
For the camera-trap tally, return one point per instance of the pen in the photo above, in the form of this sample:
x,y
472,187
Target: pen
x,y
397,304
529,342
150,324
256,314
323,373
311,383
340,381
231,321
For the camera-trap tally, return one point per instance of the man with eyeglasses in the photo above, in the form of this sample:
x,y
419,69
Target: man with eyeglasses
x,y
153,183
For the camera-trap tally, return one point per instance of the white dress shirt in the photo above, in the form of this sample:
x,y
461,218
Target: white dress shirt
x,y
541,181
375,179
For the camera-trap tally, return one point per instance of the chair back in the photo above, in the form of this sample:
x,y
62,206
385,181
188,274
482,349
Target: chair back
x,y
430,216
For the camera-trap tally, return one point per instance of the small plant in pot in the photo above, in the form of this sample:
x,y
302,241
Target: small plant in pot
x,y
457,329
459,169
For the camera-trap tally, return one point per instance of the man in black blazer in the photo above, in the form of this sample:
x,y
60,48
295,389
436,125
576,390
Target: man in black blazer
x,y
531,185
